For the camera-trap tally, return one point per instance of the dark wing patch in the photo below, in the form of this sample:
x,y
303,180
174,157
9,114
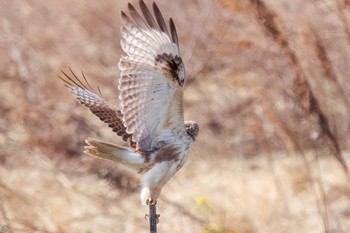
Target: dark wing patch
x,y
172,67
107,113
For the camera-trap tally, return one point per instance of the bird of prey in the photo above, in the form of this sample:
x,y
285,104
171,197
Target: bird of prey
x,y
151,117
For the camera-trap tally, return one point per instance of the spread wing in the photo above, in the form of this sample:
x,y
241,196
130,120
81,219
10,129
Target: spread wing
x,y
152,78
98,106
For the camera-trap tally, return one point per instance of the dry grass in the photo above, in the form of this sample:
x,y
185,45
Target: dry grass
x,y
267,81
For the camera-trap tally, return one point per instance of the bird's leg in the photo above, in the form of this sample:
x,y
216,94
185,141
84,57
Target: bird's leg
x,y
153,216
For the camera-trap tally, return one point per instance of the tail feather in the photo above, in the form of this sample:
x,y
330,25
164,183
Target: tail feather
x,y
112,152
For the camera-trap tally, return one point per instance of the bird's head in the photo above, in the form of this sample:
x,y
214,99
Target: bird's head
x,y
192,129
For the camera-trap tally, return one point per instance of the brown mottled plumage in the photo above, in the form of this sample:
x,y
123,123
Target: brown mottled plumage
x,y
100,107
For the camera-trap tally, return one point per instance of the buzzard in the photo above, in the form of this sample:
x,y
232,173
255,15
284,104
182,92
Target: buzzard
x,y
151,117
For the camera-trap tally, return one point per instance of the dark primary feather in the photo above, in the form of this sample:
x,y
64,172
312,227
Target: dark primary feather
x,y
148,16
160,19
126,18
173,32
97,105
137,17
76,81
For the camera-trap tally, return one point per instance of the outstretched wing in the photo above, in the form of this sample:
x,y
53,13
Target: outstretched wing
x,y
98,106
152,78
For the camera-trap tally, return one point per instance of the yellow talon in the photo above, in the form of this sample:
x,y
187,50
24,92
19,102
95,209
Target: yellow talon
x,y
157,218
151,201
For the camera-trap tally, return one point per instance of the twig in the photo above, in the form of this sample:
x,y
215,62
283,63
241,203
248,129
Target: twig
x,y
153,218
307,100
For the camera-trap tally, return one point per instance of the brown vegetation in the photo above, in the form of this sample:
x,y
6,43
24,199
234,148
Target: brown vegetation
x,y
267,82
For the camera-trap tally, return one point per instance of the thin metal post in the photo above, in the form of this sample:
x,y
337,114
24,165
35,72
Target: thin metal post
x,y
153,218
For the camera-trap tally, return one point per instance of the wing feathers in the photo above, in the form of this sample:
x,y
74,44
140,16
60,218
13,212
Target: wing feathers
x,y
173,32
136,49
97,105
155,33
136,30
160,19
137,17
150,74
148,16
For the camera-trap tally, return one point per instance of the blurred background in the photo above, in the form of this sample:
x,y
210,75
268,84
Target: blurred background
x,y
268,82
